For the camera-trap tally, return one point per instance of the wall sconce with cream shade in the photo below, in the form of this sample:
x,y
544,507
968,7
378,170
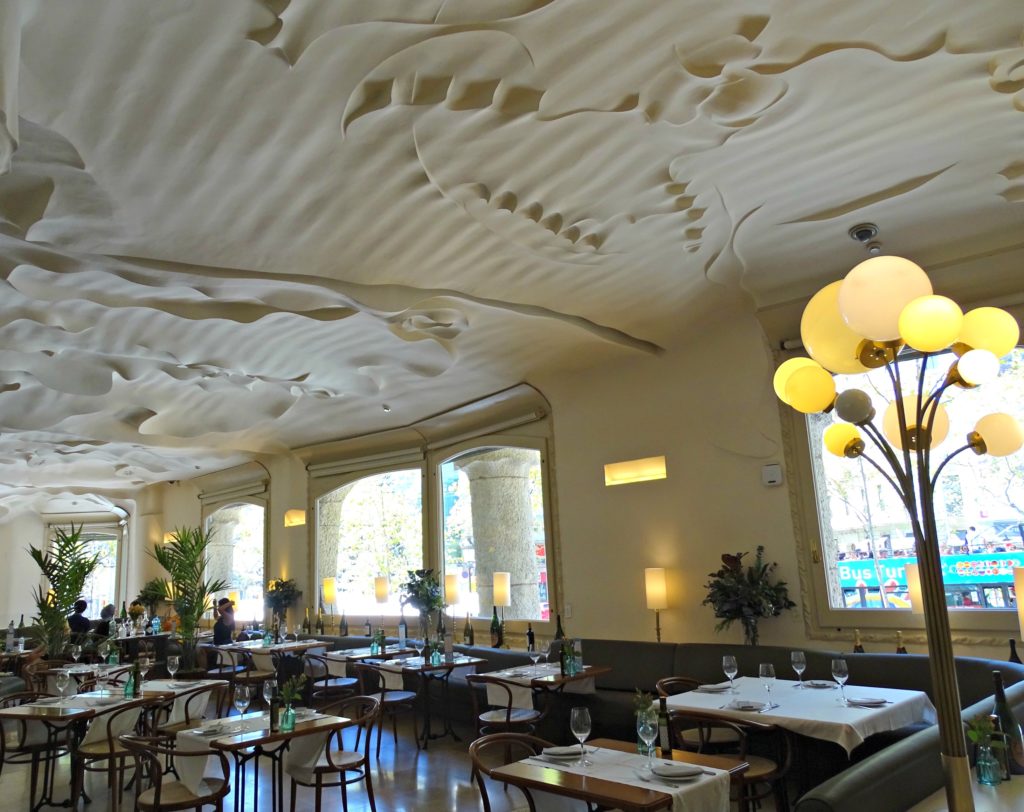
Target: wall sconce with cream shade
x,y
380,588
656,588
168,537
914,589
451,589
294,518
628,471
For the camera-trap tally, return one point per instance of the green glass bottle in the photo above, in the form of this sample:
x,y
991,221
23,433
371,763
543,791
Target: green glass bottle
x,y
559,632
343,625
495,629
467,632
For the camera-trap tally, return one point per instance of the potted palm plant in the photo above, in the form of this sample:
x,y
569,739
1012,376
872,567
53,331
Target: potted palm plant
x,y
186,587
66,566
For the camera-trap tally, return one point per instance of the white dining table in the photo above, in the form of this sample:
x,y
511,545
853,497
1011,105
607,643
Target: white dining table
x,y
522,677
182,690
816,712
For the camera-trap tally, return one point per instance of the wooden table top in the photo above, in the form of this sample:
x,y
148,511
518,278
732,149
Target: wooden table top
x,y
46,713
291,645
417,665
602,791
240,741
556,681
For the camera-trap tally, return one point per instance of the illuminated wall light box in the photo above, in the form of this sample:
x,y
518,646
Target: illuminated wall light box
x,y
294,518
330,592
644,470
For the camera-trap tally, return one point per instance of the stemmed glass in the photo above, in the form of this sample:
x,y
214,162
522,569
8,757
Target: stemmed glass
x,y
799,662
268,691
647,729
767,673
840,674
537,655
62,678
579,724
243,695
143,667
76,652
172,664
730,669
103,650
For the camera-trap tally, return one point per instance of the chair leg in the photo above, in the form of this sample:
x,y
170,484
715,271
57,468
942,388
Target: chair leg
x,y
369,788
292,806
318,803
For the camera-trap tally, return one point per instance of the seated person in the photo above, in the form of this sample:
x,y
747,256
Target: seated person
x,y
78,623
224,628
106,615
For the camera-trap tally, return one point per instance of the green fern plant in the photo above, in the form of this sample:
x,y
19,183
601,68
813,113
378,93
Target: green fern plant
x,y
187,588
66,566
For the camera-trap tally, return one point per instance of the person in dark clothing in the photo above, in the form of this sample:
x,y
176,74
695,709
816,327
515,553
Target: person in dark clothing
x,y
224,628
78,623
106,615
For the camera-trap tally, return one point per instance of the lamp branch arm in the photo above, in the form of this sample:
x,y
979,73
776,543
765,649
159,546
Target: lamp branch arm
x,y
897,386
957,452
902,494
905,482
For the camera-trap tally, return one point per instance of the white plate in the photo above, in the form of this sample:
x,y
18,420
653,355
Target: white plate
x,y
746,705
106,700
676,771
818,683
569,751
712,689
866,701
183,684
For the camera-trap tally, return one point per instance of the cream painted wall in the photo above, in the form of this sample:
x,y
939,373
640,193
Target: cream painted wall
x,y
19,574
707,406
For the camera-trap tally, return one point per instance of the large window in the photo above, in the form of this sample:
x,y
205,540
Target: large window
x,y
866,536
236,555
368,528
101,586
492,514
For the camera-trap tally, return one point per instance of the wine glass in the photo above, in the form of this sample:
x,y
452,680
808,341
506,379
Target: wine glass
x,y
76,652
537,654
647,729
143,667
579,724
767,673
268,691
840,674
62,678
103,650
172,664
243,695
799,662
730,669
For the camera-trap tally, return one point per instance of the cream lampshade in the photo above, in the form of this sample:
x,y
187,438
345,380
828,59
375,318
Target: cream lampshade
x,y
451,589
502,589
330,592
380,588
657,595
914,588
294,518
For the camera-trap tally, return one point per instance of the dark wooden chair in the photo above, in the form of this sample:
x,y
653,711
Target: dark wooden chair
x,y
503,716
169,796
393,701
496,750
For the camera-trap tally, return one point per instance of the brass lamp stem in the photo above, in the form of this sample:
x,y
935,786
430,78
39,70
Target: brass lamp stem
x,y
657,624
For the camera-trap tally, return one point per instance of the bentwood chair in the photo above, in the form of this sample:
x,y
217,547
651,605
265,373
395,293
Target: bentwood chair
x,y
327,679
102,745
717,739
502,713
350,766
393,701
23,742
168,796
496,750
766,774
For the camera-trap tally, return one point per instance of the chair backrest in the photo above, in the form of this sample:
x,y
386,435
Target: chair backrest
x,y
371,679
146,750
670,686
363,711
23,733
497,749
110,723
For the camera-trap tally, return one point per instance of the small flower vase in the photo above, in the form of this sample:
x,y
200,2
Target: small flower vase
x,y
435,657
288,719
987,765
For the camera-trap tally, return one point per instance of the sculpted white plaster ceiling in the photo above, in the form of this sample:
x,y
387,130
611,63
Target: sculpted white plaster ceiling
x,y
245,226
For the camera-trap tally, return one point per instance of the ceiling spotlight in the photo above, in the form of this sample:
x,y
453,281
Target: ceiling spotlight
x,y
864,233
386,408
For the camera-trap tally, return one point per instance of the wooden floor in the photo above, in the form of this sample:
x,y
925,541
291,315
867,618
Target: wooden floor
x,y
406,779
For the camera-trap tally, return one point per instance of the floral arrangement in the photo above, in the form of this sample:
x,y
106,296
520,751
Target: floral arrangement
x,y
642,701
282,594
292,689
422,591
746,594
136,610
980,730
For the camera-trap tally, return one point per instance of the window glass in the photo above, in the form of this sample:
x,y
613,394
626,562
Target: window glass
x,y
369,528
101,586
493,521
979,501
236,555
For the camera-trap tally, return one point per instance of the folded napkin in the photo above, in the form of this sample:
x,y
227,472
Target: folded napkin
x,y
818,683
867,701
666,769
746,705
712,688
566,751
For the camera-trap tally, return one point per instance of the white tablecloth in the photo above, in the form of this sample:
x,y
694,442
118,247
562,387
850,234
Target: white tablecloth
x,y
707,793
182,691
337,661
303,751
815,712
391,670
522,675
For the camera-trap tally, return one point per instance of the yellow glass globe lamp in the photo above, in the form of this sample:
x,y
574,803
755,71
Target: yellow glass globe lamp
x,y
843,440
891,424
810,389
989,328
855,406
826,336
785,370
931,323
976,367
874,293
997,434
